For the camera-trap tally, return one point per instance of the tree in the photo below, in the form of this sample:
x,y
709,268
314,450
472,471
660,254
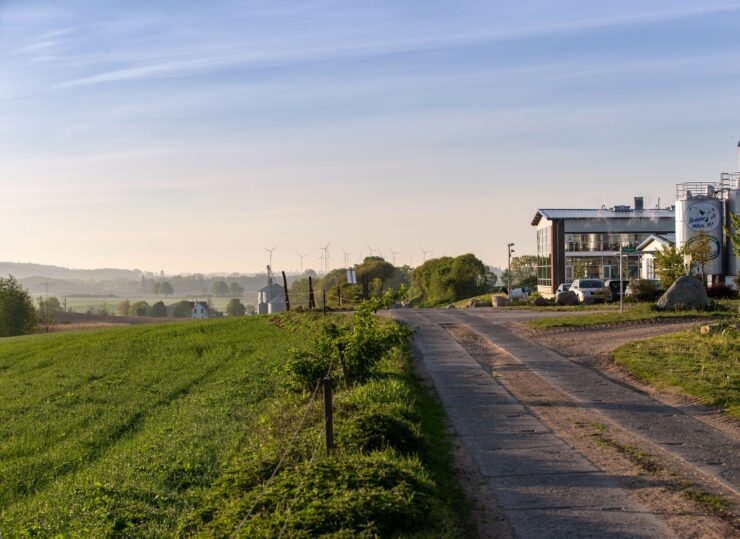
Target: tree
x,y
700,249
235,290
156,288
734,234
220,288
669,265
17,314
140,308
523,269
183,309
235,307
51,304
123,308
166,289
46,316
447,279
159,309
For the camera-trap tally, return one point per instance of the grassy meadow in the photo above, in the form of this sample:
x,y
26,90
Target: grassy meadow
x,y
172,430
703,366
82,304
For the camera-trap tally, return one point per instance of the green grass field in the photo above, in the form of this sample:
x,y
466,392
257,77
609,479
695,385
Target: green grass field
x,y
170,430
704,366
633,312
137,421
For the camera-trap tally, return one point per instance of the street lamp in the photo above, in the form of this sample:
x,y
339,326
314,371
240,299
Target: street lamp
x,y
508,276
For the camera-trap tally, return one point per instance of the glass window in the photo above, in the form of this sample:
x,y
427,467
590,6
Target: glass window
x,y
544,256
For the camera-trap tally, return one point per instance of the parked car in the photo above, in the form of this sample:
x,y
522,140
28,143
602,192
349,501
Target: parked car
x,y
563,288
613,286
589,288
519,293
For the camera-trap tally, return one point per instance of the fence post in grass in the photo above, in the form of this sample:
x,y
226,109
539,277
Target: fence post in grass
x,y
323,298
339,295
311,302
328,418
285,288
365,287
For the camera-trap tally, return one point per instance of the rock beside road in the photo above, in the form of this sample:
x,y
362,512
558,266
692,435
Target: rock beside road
x,y
686,293
566,298
499,301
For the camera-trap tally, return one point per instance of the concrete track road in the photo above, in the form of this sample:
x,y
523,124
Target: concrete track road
x,y
543,485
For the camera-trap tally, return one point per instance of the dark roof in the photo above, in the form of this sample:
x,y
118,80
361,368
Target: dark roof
x,y
602,213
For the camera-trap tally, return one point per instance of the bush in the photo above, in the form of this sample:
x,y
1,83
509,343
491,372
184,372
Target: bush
x,y
159,309
375,495
235,307
183,309
644,290
140,308
722,291
17,314
375,430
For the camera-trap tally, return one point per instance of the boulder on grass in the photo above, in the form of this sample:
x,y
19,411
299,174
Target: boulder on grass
x,y
686,293
539,301
500,301
566,298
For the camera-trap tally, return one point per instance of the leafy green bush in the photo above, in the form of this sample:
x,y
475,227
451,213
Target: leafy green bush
x,y
644,290
372,495
376,430
17,314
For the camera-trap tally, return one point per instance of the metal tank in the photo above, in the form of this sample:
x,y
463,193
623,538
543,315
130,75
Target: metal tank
x,y
733,206
701,211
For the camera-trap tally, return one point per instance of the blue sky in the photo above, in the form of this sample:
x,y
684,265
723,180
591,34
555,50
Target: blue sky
x,y
188,136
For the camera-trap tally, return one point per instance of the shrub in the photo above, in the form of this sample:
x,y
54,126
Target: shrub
x,y
235,307
722,291
159,309
375,495
140,308
375,430
644,290
17,314
183,309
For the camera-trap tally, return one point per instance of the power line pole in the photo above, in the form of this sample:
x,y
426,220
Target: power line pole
x,y
508,277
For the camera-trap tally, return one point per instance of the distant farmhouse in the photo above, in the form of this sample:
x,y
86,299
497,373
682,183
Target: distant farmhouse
x,y
198,309
271,298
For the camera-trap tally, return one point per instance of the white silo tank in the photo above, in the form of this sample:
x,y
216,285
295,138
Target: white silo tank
x,y
701,213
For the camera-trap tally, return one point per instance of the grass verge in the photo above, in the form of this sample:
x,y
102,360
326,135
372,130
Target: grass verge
x,y
633,312
703,366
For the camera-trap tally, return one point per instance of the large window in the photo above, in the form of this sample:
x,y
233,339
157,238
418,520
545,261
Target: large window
x,y
544,256
602,241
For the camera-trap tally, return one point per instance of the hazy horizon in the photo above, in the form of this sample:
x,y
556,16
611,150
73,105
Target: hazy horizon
x,y
188,137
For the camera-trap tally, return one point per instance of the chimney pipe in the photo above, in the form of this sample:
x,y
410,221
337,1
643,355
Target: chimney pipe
x,y
638,203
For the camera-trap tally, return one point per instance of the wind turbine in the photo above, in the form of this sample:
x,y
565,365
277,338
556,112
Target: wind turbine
x,y
325,257
301,257
424,254
270,251
393,255
373,251
346,258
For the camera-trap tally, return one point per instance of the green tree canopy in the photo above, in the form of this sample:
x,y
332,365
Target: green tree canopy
x,y
159,309
235,290
669,265
183,309
140,308
166,289
17,314
447,279
235,307
220,289
123,308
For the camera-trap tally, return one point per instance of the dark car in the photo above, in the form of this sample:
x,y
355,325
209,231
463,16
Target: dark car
x,y
613,286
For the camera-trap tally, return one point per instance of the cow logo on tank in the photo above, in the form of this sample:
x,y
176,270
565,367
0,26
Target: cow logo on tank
x,y
702,216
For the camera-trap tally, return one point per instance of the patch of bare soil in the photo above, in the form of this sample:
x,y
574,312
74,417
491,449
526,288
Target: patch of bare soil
x,y
690,504
489,519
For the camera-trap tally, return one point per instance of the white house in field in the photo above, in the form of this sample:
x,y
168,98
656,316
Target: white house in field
x,y
647,250
202,310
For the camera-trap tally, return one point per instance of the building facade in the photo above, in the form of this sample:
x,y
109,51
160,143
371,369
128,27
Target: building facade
x,y
584,243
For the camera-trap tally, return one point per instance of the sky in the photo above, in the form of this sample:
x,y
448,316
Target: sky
x,y
188,136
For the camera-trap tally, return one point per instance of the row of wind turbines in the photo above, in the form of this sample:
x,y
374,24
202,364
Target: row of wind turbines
x,y
324,257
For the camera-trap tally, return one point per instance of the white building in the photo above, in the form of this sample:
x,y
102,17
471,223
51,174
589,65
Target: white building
x,y
647,250
200,310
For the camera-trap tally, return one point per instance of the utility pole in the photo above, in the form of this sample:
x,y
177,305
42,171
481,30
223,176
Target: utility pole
x,y
508,277
621,276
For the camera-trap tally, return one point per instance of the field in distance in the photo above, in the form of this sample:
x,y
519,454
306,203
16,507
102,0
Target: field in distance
x,y
97,304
